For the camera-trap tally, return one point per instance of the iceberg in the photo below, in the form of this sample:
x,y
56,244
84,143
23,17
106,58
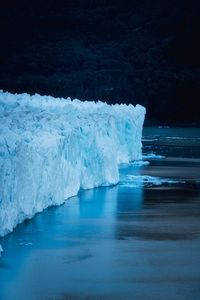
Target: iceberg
x,y
50,148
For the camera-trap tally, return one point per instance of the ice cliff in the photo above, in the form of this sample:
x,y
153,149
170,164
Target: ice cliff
x,y
52,147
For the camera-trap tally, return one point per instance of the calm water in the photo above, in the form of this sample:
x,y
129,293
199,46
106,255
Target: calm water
x,y
137,240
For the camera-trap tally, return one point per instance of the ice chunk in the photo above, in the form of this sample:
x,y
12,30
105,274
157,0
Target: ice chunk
x,y
52,147
1,250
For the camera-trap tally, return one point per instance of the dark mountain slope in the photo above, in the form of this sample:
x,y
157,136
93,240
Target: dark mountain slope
x,y
119,51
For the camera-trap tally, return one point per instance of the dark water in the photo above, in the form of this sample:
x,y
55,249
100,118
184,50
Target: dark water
x,y
137,240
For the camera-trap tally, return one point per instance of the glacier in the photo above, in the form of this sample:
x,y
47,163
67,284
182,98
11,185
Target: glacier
x,y
50,148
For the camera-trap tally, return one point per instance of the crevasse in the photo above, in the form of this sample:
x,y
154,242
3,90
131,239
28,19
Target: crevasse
x,y
52,147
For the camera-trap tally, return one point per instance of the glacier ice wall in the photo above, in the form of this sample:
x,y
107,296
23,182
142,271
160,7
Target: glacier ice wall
x,y
52,147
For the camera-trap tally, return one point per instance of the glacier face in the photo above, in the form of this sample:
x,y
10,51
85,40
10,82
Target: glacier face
x,y
52,147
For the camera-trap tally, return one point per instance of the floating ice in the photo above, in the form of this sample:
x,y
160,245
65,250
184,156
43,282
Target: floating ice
x,y
140,163
152,155
50,148
138,180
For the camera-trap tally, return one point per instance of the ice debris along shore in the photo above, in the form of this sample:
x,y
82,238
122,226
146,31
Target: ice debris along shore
x,y
52,147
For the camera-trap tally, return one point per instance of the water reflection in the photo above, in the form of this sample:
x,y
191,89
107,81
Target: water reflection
x,y
130,199
98,203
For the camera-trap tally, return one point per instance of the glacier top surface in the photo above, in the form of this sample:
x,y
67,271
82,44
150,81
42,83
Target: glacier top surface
x,y
33,115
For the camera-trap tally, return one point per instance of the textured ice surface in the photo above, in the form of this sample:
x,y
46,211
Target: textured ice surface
x,y
50,148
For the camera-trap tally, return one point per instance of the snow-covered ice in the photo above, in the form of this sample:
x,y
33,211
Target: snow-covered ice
x,y
52,147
